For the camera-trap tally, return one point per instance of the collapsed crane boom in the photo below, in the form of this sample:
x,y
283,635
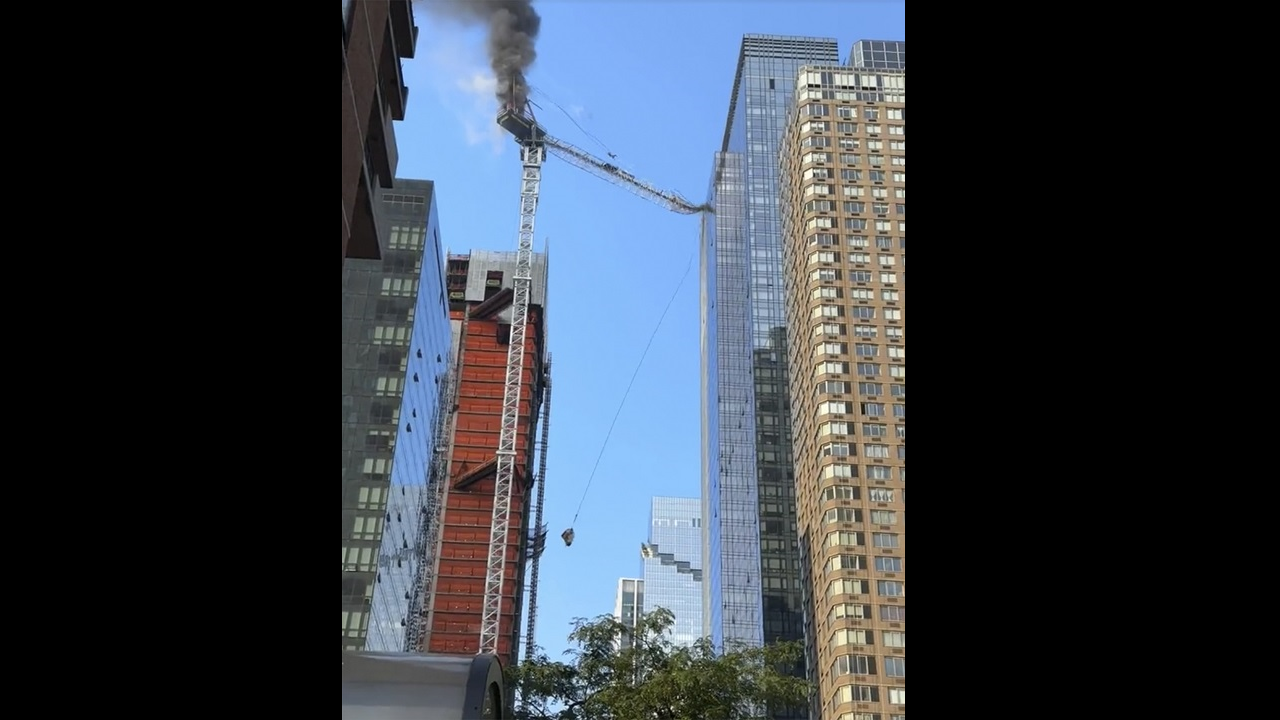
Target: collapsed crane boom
x,y
527,130
608,171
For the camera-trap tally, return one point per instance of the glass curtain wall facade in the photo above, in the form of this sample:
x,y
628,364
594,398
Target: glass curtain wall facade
x,y
752,589
628,606
395,351
673,565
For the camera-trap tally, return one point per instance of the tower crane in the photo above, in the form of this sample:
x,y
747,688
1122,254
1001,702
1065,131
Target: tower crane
x,y
534,144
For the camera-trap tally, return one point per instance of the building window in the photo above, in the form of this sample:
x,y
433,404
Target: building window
x,y
890,588
858,693
875,430
893,613
400,287
390,335
354,623
875,451
898,696
884,540
834,407
869,389
889,295
854,665
828,329
884,517
843,515
847,562
376,466
863,312
836,449
840,492
889,564
895,667
880,494
868,369
868,331
833,428
848,586
858,257
852,637
878,472
372,498
389,386
840,470
833,387
366,528
894,639
358,559
872,409
850,611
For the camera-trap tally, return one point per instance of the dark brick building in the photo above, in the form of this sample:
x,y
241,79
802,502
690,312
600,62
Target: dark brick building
x,y
376,34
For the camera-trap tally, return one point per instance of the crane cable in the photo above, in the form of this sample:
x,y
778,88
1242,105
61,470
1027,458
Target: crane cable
x,y
628,390
573,120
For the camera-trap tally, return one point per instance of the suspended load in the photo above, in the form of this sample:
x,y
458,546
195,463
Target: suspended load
x,y
568,537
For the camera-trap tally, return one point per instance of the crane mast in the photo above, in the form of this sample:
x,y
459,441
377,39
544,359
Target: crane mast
x,y
532,154
534,144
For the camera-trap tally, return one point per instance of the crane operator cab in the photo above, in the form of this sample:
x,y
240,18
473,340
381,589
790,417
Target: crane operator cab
x,y
568,537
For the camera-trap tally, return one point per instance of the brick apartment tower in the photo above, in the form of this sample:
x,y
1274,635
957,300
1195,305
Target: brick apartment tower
x,y
376,35
479,286
843,197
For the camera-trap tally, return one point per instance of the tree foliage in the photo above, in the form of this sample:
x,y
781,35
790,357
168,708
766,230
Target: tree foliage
x,y
654,679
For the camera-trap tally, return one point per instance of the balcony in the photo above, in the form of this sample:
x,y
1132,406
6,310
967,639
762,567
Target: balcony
x,y
403,31
380,147
364,243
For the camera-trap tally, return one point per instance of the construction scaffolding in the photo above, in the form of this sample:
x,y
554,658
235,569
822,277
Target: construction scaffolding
x,y
538,538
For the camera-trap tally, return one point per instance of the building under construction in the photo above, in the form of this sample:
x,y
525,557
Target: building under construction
x,y
460,514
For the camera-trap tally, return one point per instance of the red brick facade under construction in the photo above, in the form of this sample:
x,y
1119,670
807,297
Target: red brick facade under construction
x,y
481,332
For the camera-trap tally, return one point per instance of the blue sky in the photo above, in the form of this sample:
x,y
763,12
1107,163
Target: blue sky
x,y
650,80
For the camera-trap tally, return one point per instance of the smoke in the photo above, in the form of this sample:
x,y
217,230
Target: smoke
x,y
513,27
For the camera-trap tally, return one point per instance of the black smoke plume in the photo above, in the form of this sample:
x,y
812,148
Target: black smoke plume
x,y
513,27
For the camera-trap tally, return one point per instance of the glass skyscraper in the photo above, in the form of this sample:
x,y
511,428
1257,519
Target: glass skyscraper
x,y
752,591
395,353
673,565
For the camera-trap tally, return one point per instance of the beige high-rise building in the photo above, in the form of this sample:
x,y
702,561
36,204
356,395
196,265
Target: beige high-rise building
x,y
843,192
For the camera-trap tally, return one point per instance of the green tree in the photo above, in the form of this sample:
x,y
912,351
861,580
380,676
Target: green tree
x,y
653,679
